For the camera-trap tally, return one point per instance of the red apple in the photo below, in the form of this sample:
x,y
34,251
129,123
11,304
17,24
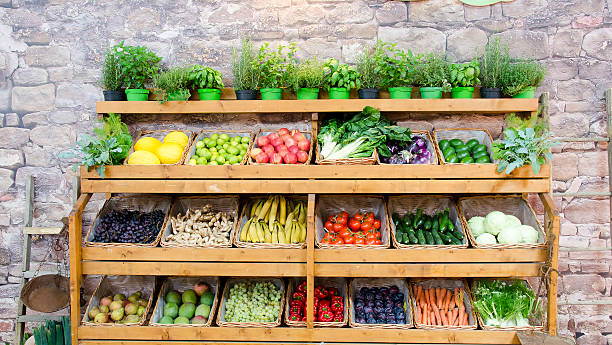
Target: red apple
x,y
283,152
273,136
276,159
255,151
200,288
304,145
293,149
262,157
281,147
263,141
268,149
283,131
294,132
285,137
302,156
290,158
290,141
276,142
299,136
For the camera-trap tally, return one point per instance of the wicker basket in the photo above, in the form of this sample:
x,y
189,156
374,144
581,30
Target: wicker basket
x,y
430,147
430,205
338,283
182,284
357,283
482,135
207,133
243,219
112,285
307,134
514,205
229,284
332,204
227,204
143,203
346,161
508,328
160,134
448,284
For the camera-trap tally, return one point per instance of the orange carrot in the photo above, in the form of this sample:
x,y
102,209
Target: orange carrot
x,y
466,321
451,305
425,315
455,318
447,299
437,315
443,318
432,318
430,296
418,314
461,314
419,292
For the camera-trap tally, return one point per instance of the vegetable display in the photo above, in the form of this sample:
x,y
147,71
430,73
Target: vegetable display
x,y
201,227
284,146
380,305
119,309
456,151
193,306
440,306
253,301
422,229
503,303
328,304
363,228
359,136
414,152
275,220
498,227
522,146
220,149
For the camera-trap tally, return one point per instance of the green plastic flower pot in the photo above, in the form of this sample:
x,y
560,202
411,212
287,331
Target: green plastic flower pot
x,y
307,93
209,94
528,92
271,93
431,92
179,96
462,92
137,94
400,92
339,93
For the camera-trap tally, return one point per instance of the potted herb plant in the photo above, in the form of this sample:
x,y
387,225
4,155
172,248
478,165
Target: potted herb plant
x,y
521,77
463,78
111,79
208,81
368,65
138,65
273,67
245,74
307,78
432,76
340,79
398,71
492,64
173,84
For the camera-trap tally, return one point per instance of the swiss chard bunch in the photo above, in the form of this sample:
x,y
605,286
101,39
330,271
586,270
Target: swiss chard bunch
x,y
506,303
522,146
465,74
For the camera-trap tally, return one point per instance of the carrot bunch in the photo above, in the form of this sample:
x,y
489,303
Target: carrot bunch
x,y
440,306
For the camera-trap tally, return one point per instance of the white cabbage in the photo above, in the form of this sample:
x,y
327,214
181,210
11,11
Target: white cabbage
x,y
486,238
529,234
512,221
510,235
476,226
495,222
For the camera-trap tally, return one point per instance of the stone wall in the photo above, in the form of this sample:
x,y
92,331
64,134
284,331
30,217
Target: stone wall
x,y
50,53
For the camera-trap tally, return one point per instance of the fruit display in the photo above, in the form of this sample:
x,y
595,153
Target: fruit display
x,y
419,228
456,151
500,228
362,228
192,306
283,146
119,309
150,151
220,149
253,301
328,304
129,226
380,305
201,227
275,219
440,306
415,152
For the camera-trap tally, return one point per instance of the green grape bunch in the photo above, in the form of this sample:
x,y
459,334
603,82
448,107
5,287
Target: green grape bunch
x,y
253,302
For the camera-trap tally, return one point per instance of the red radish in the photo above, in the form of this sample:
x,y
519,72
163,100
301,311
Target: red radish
x,y
276,159
304,145
255,151
283,152
200,288
283,131
290,141
273,136
280,148
268,149
293,149
263,141
262,157
290,158
302,156
276,142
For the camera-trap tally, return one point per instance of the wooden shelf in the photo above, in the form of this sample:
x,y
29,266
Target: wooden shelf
x,y
477,105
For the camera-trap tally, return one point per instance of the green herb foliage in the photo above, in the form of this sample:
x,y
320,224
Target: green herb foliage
x,y
465,74
308,74
205,77
520,74
370,66
340,75
522,146
503,304
432,71
243,67
112,78
137,63
274,66
173,81
493,62
399,66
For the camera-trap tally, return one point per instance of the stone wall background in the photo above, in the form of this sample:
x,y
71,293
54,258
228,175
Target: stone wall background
x,y
50,53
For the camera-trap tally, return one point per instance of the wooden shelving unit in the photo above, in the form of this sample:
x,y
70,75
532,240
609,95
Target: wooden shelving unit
x,y
309,262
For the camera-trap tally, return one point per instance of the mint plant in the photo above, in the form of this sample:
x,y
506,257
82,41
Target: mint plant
x,y
340,75
137,64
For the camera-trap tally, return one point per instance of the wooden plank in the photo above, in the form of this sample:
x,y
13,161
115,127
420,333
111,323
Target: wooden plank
x,y
192,254
411,171
29,230
310,272
286,334
434,106
238,269
453,270
317,186
555,229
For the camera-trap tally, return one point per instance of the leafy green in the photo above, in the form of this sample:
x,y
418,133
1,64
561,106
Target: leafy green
x,y
273,66
521,74
465,74
493,62
205,77
137,63
308,74
370,64
243,67
112,77
433,72
506,303
173,81
522,146
340,75
399,66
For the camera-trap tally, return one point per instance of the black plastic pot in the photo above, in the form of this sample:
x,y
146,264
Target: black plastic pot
x,y
490,92
246,94
114,95
368,93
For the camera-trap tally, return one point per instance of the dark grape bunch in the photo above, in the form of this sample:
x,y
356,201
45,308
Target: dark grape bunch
x,y
383,305
127,226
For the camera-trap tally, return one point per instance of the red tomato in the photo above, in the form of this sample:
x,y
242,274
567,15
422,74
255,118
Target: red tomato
x,y
378,236
337,227
358,216
370,242
378,242
376,224
349,240
331,218
355,225
329,226
371,236
345,233
338,241
369,219
366,226
359,240
345,214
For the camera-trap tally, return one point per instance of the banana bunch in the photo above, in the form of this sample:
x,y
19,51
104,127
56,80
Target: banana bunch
x,y
269,221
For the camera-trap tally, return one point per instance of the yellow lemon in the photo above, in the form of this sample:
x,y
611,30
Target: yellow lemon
x,y
169,153
147,144
177,137
143,158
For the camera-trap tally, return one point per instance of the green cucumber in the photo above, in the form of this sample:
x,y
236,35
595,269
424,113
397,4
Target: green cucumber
x,y
456,142
420,236
412,237
467,160
471,143
450,227
446,238
436,237
428,223
429,238
443,144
